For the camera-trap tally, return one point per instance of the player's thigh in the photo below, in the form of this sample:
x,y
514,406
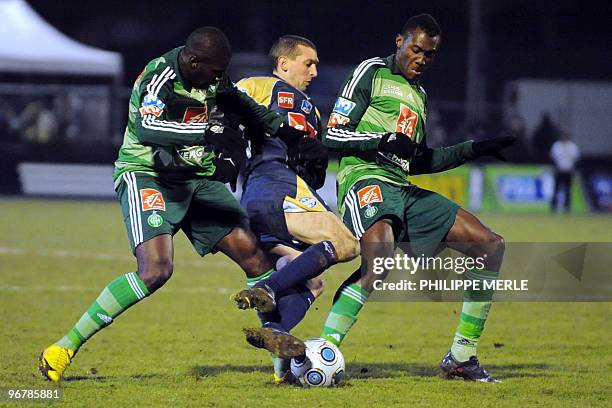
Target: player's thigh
x,y
314,227
151,206
213,214
369,201
470,236
429,217
270,196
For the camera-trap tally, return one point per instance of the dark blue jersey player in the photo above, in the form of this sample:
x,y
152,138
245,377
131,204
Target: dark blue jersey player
x,y
281,180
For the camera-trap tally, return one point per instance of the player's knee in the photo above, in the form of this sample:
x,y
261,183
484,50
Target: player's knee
x,y
156,272
254,262
495,244
316,286
347,246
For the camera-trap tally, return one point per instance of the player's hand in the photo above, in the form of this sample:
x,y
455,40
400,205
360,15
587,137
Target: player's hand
x,y
397,148
289,134
225,86
227,166
224,137
309,158
307,148
493,147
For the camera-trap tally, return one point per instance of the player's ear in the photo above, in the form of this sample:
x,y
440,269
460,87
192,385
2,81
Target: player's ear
x,y
399,41
193,62
283,63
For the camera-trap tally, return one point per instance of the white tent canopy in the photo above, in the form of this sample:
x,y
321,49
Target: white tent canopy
x,y
31,45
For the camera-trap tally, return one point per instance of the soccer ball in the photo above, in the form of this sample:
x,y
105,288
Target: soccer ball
x,y
322,366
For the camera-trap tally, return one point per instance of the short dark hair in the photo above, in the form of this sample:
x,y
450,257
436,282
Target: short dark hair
x,y
287,45
423,21
208,42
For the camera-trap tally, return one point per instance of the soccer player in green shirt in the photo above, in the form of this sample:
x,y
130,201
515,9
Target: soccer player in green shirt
x,y
378,127
176,154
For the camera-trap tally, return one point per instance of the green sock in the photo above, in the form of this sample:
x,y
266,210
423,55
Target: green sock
x,y
344,311
252,281
476,305
117,297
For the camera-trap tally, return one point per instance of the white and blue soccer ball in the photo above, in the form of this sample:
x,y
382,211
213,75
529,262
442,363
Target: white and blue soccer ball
x,y
322,366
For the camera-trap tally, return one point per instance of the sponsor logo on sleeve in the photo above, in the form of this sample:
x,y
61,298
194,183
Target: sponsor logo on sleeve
x,y
306,107
152,105
196,114
337,119
407,121
285,99
297,120
369,195
343,106
152,199
312,132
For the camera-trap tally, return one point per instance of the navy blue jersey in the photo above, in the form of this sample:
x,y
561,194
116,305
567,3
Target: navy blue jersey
x,y
277,95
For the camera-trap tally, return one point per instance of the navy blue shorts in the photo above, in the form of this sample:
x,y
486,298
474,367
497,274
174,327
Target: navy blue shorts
x,y
272,190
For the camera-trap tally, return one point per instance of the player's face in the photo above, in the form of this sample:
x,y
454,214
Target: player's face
x,y
415,53
207,71
300,72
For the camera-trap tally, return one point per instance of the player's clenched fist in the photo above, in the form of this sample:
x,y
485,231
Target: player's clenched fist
x,y
397,148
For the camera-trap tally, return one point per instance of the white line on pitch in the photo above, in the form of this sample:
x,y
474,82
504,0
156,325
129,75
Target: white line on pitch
x,y
63,253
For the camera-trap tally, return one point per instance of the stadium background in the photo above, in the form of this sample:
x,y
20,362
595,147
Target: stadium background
x,y
503,66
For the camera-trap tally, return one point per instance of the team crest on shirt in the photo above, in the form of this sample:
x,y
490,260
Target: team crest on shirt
x,y
369,195
407,121
196,114
306,107
337,119
152,199
151,105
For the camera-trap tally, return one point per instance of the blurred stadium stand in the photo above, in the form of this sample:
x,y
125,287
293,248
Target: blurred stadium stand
x,y
63,104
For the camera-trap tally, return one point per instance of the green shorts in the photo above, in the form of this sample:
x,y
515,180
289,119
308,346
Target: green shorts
x,y
204,209
417,215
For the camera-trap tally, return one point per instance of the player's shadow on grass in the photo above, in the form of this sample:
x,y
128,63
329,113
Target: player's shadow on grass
x,y
102,378
212,371
360,370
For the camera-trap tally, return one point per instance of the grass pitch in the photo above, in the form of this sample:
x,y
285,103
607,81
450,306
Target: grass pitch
x,y
184,347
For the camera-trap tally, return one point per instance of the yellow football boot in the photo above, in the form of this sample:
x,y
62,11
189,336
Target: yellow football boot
x,y
53,361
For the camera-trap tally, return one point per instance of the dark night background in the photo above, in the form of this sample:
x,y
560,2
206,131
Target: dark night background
x,y
535,39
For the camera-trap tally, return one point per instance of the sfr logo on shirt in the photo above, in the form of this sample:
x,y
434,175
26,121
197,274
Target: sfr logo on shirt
x,y
285,100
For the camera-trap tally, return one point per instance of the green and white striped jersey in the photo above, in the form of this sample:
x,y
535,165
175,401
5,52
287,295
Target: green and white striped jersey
x,y
377,99
167,120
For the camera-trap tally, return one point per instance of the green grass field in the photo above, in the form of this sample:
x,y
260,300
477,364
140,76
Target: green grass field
x,y
184,347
